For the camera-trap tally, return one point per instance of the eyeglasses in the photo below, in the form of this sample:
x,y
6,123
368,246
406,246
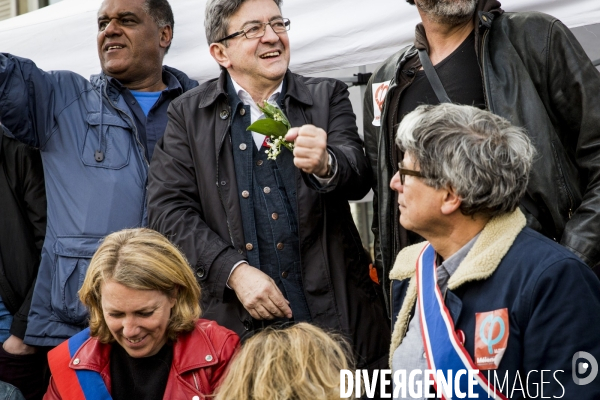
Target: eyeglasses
x,y
404,171
256,30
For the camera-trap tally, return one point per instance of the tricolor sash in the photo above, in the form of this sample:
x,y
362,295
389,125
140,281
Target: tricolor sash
x,y
74,384
443,348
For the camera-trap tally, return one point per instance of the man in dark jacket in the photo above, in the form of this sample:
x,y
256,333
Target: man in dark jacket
x,y
22,230
96,139
269,240
485,294
525,67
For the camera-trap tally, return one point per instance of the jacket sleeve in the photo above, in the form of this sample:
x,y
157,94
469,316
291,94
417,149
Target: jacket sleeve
x,y
230,347
175,208
27,99
34,201
52,392
371,134
352,180
574,87
559,309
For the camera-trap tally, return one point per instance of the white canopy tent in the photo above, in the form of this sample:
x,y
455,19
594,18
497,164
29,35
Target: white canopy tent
x,y
325,35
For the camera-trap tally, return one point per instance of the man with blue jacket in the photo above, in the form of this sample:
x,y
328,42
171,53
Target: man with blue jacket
x,y
96,139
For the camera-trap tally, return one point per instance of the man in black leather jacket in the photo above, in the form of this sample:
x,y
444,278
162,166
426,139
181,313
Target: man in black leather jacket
x,y
526,67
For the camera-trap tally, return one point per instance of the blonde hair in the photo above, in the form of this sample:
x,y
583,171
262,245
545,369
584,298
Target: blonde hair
x,y
141,259
296,363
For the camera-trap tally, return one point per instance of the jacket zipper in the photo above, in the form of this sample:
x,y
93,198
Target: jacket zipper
x,y
564,181
195,380
218,186
482,68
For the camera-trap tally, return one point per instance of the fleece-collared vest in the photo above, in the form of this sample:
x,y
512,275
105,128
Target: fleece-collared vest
x,y
269,209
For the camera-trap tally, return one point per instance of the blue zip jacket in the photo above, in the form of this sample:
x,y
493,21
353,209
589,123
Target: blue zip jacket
x,y
553,303
95,166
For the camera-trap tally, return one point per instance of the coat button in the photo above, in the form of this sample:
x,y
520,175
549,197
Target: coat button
x,y
275,216
279,246
223,183
259,162
208,358
224,114
247,325
249,246
76,361
245,194
243,111
196,398
284,274
267,190
243,145
424,355
200,273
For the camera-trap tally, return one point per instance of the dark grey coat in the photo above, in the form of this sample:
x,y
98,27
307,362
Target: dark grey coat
x,y
193,200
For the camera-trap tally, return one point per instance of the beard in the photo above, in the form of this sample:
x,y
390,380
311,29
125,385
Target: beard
x,y
448,12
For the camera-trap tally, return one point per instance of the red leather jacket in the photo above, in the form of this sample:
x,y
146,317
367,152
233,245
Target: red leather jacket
x,y
200,359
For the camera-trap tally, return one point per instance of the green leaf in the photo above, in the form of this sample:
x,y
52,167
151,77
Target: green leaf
x,y
268,127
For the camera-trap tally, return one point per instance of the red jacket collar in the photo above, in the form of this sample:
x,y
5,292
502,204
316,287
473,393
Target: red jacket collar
x,y
95,356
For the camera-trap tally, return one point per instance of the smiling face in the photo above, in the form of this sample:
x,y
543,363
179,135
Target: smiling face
x,y
257,62
137,319
131,46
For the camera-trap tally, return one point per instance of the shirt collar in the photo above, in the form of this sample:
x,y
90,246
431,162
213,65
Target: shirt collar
x,y
247,99
452,263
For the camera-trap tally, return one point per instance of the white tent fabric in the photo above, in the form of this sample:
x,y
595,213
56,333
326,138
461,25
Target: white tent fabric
x,y
325,35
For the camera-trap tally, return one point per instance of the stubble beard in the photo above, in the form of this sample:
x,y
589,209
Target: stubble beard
x,y
448,12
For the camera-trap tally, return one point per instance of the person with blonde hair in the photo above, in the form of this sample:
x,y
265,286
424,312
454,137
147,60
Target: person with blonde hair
x,y
145,339
298,362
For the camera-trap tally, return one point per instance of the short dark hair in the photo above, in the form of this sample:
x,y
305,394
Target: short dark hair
x,y
161,13
411,2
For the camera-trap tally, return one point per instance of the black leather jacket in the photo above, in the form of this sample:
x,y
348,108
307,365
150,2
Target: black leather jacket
x,y
536,75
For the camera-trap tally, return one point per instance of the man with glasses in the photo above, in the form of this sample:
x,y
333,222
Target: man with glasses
x,y
485,297
269,240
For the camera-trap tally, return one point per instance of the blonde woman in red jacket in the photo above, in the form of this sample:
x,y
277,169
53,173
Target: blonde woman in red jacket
x,y
145,340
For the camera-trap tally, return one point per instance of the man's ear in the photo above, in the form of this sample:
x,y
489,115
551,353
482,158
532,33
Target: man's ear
x,y
451,201
166,36
219,52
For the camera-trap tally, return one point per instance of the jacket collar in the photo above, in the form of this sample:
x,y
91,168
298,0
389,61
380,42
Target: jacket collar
x,y
190,351
493,243
174,79
484,14
294,89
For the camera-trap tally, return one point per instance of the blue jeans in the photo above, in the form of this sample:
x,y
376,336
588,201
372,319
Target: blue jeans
x,y
5,322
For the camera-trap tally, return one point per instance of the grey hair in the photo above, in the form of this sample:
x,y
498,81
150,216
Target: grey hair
x,y
484,158
217,15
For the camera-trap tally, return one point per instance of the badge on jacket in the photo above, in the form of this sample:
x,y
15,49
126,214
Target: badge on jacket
x,y
491,337
379,92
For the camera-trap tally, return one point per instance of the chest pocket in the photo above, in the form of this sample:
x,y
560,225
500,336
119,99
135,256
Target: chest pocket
x,y
114,142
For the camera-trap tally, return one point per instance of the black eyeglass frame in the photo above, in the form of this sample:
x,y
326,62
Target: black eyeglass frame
x,y
286,22
405,171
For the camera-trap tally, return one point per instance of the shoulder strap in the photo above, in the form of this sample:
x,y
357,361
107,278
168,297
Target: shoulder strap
x,y
433,77
65,378
80,384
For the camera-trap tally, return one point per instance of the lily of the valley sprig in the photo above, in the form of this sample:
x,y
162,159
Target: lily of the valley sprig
x,y
275,125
